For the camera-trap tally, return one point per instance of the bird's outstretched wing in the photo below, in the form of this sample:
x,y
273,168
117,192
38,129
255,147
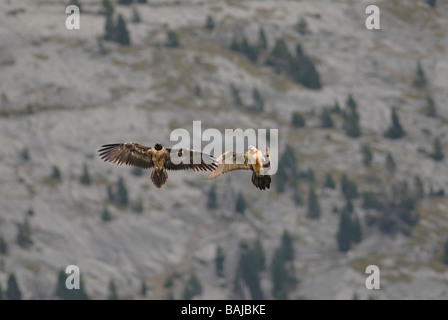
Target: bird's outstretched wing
x,y
130,153
185,159
229,161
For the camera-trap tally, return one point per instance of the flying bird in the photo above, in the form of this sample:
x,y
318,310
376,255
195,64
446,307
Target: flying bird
x,y
158,157
253,159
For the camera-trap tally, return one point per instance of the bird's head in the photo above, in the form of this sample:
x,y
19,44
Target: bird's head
x,y
158,146
252,149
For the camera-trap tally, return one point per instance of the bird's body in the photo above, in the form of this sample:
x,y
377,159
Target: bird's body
x,y
253,160
158,157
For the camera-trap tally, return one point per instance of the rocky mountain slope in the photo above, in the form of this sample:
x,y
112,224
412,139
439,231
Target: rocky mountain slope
x,y
64,93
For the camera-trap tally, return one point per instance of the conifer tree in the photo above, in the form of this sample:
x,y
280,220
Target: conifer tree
x,y
120,197
25,154
240,205
192,288
197,90
258,101
371,200
356,229
235,45
351,103
367,156
13,291
172,40
287,169
135,16
210,23
279,276
169,282
251,52
24,234
390,163
121,32
297,195
30,212
3,246
445,253
137,205
1,292
85,178
336,108
282,270
437,154
282,179
219,262
313,205
395,131
258,256
432,3
298,121
351,119
348,188
56,174
280,55
325,119
62,292
124,2
112,291
262,41
108,8
431,110
420,77
236,96
438,193
287,246
109,28
143,288
302,26
244,47
212,202
348,205
419,189
248,270
344,236
304,71
288,160
106,216
308,175
329,182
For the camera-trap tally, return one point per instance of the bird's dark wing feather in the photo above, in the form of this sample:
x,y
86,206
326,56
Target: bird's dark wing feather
x,y
229,161
130,153
185,159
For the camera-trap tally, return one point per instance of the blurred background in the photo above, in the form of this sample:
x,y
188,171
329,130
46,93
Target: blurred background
x,y
362,118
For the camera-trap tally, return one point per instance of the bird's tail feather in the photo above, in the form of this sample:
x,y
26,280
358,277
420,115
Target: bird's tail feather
x,y
159,177
261,181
